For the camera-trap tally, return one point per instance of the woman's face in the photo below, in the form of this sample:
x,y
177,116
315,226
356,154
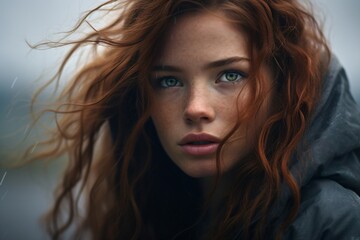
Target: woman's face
x,y
200,70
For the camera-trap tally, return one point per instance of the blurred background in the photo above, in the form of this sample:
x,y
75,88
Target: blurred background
x,y
25,193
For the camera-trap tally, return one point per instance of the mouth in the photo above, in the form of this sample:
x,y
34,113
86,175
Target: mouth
x,y
199,144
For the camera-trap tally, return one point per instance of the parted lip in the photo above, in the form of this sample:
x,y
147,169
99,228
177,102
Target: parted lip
x,y
198,137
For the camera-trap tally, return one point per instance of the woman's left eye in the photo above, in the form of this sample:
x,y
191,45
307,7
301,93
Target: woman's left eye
x,y
231,77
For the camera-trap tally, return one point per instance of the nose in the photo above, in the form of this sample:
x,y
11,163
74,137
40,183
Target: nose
x,y
198,106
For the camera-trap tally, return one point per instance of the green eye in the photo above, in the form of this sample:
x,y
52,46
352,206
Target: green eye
x,y
167,82
231,77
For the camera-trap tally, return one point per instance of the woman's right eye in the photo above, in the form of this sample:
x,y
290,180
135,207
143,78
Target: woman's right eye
x,y
168,82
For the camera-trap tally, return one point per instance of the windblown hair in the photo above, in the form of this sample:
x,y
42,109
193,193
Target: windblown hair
x,y
116,163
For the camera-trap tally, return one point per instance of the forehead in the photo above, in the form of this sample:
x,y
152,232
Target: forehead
x,y
203,34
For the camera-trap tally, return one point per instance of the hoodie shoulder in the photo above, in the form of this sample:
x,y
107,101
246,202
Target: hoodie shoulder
x,y
330,179
328,211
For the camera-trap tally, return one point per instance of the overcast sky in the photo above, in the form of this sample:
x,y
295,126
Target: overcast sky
x,y
37,20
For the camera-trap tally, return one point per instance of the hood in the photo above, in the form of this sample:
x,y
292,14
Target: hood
x,y
332,141
333,138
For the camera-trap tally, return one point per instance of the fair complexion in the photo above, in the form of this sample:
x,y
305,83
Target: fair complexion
x,y
199,72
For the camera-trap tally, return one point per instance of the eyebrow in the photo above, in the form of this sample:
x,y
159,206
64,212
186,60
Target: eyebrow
x,y
215,64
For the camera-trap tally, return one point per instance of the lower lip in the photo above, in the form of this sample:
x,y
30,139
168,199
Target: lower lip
x,y
199,150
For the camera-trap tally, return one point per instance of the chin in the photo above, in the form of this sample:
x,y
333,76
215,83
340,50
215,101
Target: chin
x,y
200,170
200,174
207,168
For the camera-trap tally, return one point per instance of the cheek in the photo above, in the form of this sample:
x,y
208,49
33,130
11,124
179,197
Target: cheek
x,y
161,106
244,139
233,109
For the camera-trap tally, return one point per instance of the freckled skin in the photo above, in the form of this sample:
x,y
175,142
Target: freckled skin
x,y
205,101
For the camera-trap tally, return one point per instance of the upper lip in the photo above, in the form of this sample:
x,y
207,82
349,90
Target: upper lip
x,y
198,137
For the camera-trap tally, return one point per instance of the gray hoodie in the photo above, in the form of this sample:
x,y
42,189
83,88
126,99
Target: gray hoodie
x,y
330,180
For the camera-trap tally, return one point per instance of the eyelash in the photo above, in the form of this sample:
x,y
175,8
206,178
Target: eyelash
x,y
160,82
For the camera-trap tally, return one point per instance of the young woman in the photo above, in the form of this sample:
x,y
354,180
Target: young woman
x,y
202,119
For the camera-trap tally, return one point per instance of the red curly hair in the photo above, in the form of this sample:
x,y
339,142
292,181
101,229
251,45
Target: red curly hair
x,y
104,126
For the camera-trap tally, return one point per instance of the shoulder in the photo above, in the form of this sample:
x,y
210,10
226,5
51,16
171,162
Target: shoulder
x,y
328,211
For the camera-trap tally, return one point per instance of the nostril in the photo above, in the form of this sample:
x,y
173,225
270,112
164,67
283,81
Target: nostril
x,y
197,115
